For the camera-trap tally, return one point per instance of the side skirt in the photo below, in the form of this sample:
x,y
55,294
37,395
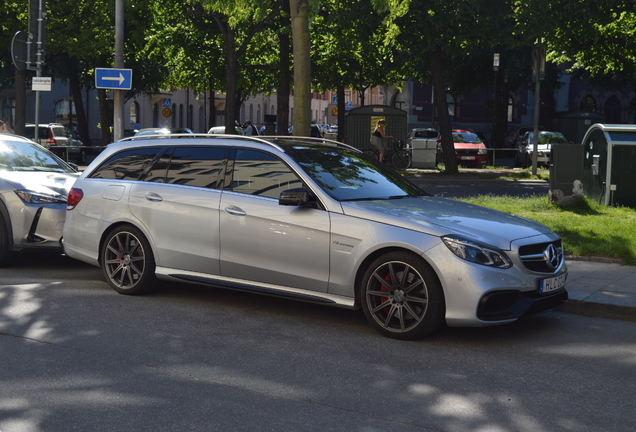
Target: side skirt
x,y
165,273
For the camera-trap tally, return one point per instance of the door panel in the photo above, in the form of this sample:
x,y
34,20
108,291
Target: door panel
x,y
263,241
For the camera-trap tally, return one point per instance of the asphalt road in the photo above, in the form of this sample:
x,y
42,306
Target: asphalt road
x,y
75,355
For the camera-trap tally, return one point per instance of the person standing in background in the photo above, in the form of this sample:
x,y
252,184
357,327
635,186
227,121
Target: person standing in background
x,y
7,126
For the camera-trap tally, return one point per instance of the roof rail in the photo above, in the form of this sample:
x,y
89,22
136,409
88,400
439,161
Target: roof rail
x,y
260,139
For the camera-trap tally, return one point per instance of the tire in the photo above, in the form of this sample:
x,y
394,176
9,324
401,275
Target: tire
x,y
5,243
401,160
371,153
128,263
401,296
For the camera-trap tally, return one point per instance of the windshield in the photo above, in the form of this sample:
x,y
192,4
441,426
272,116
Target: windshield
x,y
16,155
466,137
348,175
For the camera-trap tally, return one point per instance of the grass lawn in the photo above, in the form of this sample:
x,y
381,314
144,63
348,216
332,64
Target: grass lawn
x,y
588,229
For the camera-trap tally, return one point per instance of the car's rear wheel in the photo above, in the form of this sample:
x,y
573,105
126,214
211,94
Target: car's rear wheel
x,y
127,261
402,297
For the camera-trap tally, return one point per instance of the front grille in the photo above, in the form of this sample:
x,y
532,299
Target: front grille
x,y
542,257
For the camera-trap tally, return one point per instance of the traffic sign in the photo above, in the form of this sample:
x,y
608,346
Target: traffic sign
x,y
107,78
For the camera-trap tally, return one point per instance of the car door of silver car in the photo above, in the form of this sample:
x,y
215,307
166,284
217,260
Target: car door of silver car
x,y
265,242
179,204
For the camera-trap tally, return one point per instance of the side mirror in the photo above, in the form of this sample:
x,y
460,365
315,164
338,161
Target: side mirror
x,y
296,197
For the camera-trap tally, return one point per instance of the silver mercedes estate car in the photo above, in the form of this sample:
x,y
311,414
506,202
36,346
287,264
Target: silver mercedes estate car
x,y
310,219
33,188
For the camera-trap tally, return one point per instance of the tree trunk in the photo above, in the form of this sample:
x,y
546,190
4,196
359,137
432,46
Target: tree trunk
x,y
340,91
445,130
104,117
283,91
302,67
231,80
20,102
76,91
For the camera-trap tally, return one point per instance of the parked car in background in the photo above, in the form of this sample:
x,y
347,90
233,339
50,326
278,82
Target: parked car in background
x,y
469,149
221,130
314,130
525,148
312,220
427,134
59,139
515,135
161,131
34,184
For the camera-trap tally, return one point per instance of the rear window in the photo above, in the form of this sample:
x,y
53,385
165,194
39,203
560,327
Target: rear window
x,y
127,165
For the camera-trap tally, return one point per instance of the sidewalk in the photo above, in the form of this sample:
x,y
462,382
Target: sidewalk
x,y
601,289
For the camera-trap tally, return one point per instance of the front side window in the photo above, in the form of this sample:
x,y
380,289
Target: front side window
x,y
127,165
262,174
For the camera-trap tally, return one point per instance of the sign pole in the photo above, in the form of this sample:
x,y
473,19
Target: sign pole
x,y
118,95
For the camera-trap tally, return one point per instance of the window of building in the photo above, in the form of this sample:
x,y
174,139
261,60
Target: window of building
x,y
612,110
631,112
135,118
450,100
588,104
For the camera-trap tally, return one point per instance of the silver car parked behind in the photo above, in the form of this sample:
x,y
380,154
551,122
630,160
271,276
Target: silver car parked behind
x,y
34,184
312,220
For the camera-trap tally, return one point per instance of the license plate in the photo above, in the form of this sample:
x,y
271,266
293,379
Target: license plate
x,y
468,158
552,284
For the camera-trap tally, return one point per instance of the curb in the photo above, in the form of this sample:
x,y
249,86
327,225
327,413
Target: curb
x,y
608,308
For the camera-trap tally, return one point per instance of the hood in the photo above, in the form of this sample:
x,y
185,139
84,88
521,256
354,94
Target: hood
x,y
50,183
441,216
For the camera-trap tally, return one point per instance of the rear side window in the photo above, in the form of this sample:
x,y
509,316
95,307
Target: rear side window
x,y
195,166
263,174
127,165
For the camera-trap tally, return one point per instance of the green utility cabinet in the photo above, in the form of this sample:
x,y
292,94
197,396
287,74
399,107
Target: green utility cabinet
x,y
360,123
609,164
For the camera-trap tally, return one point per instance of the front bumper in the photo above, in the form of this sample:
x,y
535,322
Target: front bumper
x,y
512,304
38,226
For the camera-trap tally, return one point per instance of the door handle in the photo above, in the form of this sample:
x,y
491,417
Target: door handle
x,y
236,211
150,196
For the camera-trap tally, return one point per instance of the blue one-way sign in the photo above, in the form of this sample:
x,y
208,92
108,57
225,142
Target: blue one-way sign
x,y
120,79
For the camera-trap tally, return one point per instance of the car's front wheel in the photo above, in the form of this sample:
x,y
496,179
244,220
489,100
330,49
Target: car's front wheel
x,y
127,261
402,297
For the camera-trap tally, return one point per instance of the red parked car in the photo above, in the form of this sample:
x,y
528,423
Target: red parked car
x,y
469,149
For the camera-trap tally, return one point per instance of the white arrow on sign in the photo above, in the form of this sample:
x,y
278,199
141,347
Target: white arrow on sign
x,y
120,79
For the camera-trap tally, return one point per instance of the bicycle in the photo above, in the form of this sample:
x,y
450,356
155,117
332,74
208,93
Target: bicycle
x,y
399,156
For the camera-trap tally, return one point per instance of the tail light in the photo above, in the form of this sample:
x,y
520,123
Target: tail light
x,y
74,197
50,141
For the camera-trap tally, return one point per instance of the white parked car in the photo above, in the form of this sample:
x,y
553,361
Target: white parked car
x,y
34,184
309,219
525,148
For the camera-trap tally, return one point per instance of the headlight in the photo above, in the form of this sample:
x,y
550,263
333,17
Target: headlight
x,y
482,151
477,253
30,197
